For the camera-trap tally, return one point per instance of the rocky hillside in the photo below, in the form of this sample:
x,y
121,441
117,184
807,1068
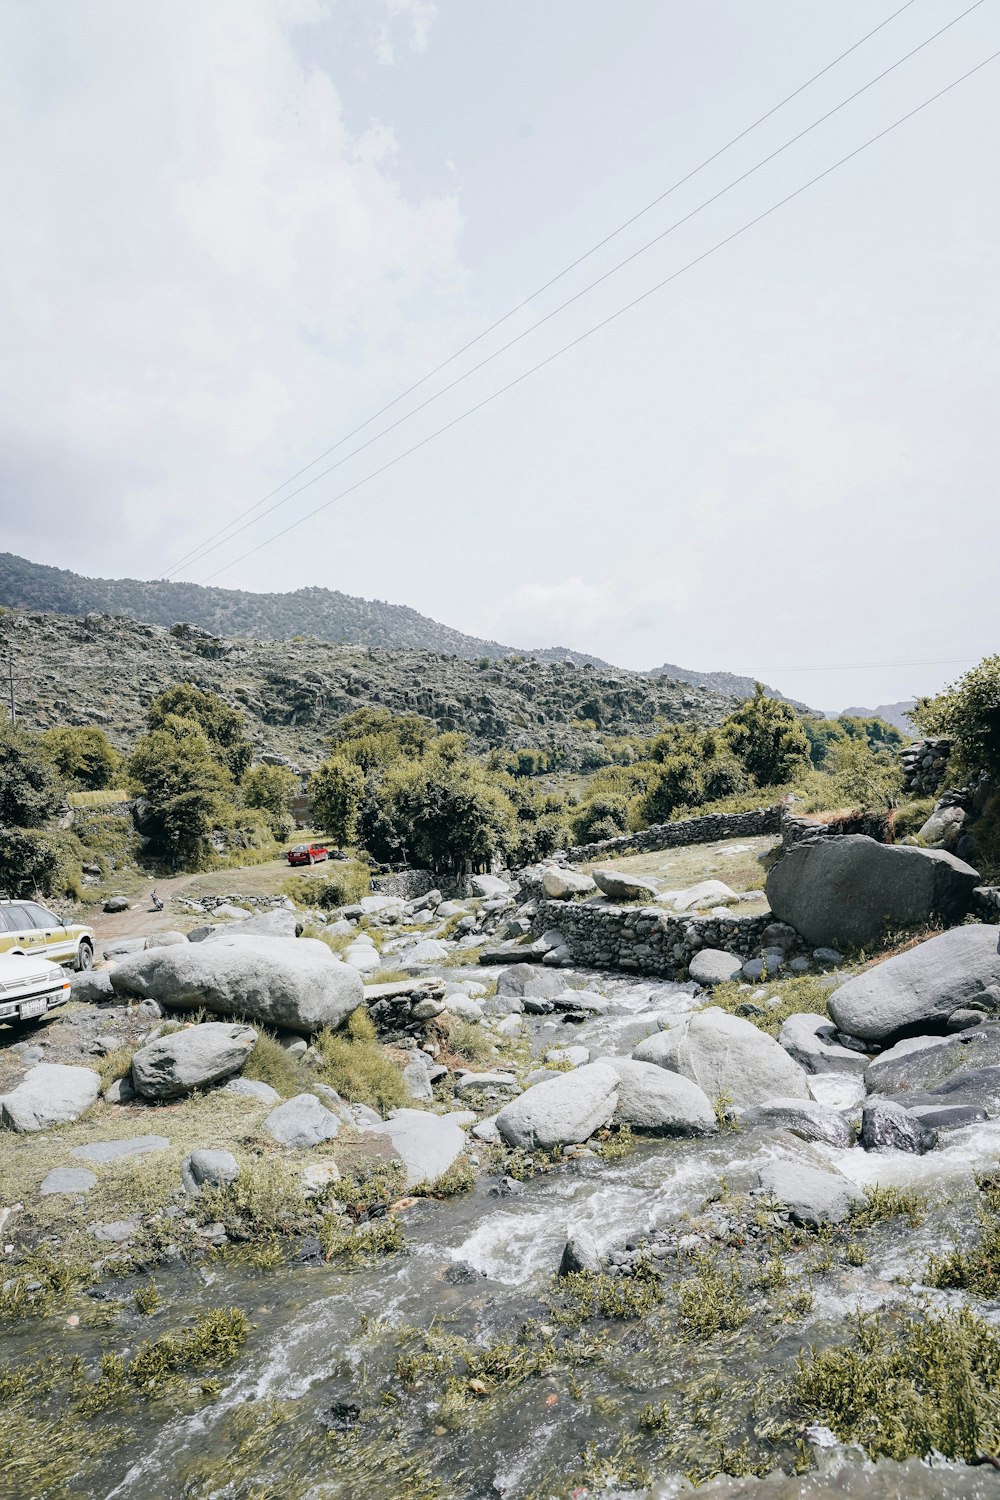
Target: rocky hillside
x,y
326,614
897,714
730,683
105,670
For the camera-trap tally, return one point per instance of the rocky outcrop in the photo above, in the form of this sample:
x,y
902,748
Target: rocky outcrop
x,y
727,1057
919,989
276,981
176,1065
850,891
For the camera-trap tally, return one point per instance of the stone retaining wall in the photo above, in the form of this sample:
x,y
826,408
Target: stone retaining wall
x,y
924,764
874,825
706,830
646,939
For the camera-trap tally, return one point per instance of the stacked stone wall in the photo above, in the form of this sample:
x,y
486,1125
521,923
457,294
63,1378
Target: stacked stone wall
x,y
646,939
924,765
705,830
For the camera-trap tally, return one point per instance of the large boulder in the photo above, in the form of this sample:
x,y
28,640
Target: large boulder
x,y
803,1118
560,884
727,1057
186,1060
849,891
619,886
926,1062
528,979
490,886
712,966
657,1102
921,988
561,1111
887,1126
813,1194
812,1041
427,1144
49,1094
301,1122
294,984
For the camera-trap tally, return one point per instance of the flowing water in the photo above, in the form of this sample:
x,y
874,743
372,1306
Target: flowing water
x,y
323,1354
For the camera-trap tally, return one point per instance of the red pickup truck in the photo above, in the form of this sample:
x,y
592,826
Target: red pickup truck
x,y
308,854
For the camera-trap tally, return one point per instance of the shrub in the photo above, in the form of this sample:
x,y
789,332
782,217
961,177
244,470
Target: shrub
x,y
353,1062
83,756
271,789
270,1063
185,787
40,862
30,789
768,738
969,713
342,883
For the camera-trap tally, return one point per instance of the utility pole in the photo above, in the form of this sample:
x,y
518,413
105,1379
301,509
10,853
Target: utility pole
x,y
10,688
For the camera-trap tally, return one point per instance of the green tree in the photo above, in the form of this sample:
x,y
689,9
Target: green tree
x,y
680,783
865,777
83,756
446,812
601,817
969,713
223,727
337,790
767,737
822,735
31,791
185,787
270,788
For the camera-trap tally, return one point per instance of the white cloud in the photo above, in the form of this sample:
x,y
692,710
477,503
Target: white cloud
x,y
633,607
204,271
421,16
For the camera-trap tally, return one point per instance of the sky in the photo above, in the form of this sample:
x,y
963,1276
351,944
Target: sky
x,y
234,231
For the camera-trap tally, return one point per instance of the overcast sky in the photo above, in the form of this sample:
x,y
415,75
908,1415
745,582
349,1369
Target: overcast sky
x,y
234,229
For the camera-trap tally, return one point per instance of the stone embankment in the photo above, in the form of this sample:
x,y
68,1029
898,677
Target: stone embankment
x,y
924,765
706,830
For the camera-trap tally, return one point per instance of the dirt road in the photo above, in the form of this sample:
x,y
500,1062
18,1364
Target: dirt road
x,y
140,919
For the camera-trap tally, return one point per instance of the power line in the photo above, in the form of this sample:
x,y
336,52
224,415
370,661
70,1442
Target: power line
x,y
202,553
599,245
863,666
612,317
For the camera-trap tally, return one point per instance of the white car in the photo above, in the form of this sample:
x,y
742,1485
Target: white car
x,y
30,986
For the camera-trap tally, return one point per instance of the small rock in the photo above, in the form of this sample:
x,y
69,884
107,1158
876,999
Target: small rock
x,y
252,1088
68,1180
301,1122
887,1126
580,1253
208,1168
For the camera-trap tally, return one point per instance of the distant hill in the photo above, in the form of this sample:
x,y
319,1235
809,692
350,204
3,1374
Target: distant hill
x,y
723,682
892,713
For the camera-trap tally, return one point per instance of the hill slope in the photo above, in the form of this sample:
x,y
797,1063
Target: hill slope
x,y
104,670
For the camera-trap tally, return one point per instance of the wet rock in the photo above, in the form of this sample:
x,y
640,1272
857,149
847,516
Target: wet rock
x,y
530,980
619,886
948,1116
580,1253
585,1002
712,966
802,1117
186,1060
49,1094
886,1126
427,1144
812,1041
926,1062
208,1168
848,891
658,1102
462,1274
280,982
102,1152
74,1180
561,1111
812,1194
925,985
341,1416
252,1088
506,1187
726,1056
301,1122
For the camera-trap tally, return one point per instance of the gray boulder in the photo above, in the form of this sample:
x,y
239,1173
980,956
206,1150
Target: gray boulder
x,y
164,940
417,1076
252,1088
301,1122
887,1126
426,1144
490,886
658,1102
618,886
727,1057
561,1111
92,987
280,923
49,1094
295,984
922,986
811,1040
712,966
580,1253
562,885
926,1062
528,979
208,1168
813,1194
68,1180
848,891
805,1118
176,1065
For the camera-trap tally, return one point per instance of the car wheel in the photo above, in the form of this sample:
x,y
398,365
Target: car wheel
x,y
84,958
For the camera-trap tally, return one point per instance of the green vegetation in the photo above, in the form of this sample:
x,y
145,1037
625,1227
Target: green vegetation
x,y
711,1300
795,994
337,790
888,1203
354,1063
908,1386
271,789
83,757
969,713
186,790
269,1063
342,883
223,727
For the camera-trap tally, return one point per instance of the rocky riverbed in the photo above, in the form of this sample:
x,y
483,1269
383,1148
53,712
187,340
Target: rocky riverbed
x,y
639,1233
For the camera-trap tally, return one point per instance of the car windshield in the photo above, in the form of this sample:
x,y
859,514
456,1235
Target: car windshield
x,y
299,849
